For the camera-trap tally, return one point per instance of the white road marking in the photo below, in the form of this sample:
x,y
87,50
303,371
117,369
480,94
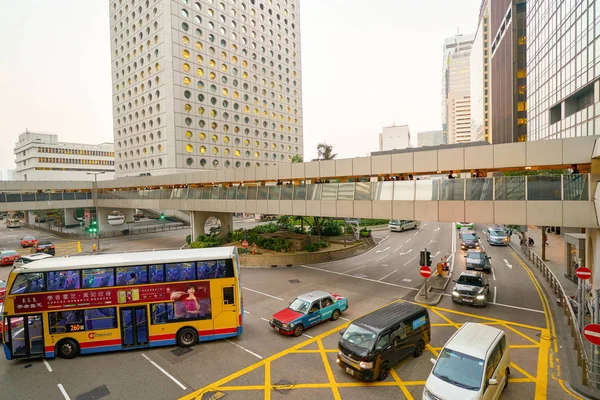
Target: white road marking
x,y
507,263
354,269
403,254
379,259
495,294
246,312
416,233
505,305
436,254
483,230
397,249
360,277
406,280
383,240
245,349
378,243
47,365
384,265
345,319
63,391
308,336
409,261
264,319
408,240
436,229
394,271
433,241
493,274
381,251
264,294
164,372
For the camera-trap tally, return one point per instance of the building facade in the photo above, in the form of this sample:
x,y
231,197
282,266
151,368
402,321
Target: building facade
x,y
41,157
205,84
563,46
430,138
456,119
394,138
480,78
509,73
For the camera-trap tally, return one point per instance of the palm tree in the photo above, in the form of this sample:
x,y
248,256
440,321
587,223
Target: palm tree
x,y
297,159
325,152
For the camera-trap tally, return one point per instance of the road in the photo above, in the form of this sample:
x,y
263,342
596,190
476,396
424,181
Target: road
x,y
263,364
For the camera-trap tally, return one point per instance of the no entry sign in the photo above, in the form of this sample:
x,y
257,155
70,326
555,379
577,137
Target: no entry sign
x,y
583,273
592,333
425,272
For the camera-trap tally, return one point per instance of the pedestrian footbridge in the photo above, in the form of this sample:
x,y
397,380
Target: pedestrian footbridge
x,y
360,187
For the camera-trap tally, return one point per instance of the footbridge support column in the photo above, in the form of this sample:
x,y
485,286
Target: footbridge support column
x,y
197,222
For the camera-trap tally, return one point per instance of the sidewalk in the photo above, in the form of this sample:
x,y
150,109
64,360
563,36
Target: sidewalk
x,y
555,255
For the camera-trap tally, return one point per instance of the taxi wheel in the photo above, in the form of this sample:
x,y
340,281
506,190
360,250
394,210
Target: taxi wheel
x,y
419,349
384,372
335,315
507,376
298,330
187,337
67,348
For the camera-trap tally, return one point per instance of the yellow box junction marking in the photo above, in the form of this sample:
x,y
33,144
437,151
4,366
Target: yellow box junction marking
x,y
267,387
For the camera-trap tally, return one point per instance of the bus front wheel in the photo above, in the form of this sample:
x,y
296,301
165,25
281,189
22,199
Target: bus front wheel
x,y
187,337
67,348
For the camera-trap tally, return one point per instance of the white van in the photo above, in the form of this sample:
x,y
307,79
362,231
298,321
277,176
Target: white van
x,y
399,225
30,258
474,364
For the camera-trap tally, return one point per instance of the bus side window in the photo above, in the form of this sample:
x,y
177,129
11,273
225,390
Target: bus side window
x,y
228,297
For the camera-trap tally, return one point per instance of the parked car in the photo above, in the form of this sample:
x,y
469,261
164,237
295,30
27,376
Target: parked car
x,y
497,237
471,288
474,364
45,247
372,344
468,225
469,240
478,260
308,310
8,257
2,293
28,241
399,225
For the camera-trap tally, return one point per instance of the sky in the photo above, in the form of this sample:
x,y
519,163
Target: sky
x,y
365,65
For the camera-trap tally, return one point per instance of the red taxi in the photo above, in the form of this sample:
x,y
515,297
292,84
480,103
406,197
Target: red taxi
x,y
2,291
8,257
29,241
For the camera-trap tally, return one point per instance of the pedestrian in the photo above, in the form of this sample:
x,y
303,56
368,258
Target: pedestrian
x,y
450,176
574,169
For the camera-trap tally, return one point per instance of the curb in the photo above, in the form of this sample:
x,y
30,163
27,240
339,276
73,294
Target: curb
x,y
435,297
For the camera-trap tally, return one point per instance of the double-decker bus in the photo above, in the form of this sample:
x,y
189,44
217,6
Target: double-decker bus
x,y
65,306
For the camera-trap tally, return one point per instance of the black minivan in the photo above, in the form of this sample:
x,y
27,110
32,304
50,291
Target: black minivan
x,y
373,343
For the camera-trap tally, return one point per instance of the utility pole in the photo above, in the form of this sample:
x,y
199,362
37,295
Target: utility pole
x,y
95,203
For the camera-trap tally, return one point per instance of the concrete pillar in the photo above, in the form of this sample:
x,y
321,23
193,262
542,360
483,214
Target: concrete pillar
x,y
226,223
102,218
70,219
197,222
128,213
30,217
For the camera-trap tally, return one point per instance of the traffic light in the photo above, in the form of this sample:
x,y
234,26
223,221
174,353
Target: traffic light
x,y
93,228
162,216
425,259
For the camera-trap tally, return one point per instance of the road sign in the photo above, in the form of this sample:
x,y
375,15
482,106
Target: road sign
x,y
583,273
353,220
245,244
425,272
592,333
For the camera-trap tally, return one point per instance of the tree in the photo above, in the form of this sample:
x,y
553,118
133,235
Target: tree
x,y
297,159
325,152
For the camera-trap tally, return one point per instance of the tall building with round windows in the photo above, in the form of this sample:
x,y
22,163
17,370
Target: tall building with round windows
x,y
205,84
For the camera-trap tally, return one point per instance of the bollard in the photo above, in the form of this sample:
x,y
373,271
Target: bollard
x,y
93,246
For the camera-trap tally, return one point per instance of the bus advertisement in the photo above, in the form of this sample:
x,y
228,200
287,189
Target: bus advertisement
x,y
65,306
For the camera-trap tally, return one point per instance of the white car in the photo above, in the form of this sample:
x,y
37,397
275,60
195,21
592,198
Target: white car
x,y
473,365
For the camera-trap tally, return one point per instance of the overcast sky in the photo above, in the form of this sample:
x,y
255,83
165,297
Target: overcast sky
x,y
365,65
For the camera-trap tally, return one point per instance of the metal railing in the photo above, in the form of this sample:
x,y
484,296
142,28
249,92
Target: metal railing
x,y
112,233
588,368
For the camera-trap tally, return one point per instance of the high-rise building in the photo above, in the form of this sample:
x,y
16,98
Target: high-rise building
x,y
205,84
394,138
456,107
430,138
509,76
562,71
480,78
41,157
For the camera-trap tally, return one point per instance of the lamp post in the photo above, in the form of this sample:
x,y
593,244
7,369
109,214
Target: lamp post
x,y
95,202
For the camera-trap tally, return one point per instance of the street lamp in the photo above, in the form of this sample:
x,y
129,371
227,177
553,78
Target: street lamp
x,y
95,202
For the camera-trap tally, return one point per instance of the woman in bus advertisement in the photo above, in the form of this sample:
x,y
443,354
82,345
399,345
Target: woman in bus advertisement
x,y
188,305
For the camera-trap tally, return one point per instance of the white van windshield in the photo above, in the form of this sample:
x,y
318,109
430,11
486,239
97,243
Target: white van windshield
x,y
459,369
